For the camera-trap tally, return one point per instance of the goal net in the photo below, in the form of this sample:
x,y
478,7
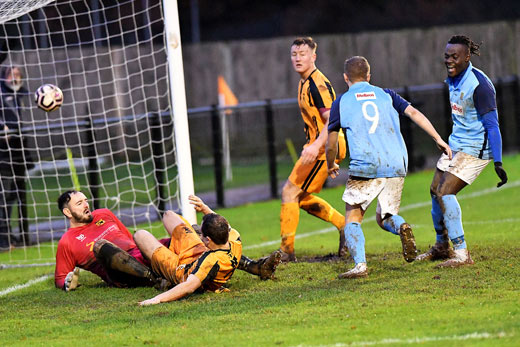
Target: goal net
x,y
113,137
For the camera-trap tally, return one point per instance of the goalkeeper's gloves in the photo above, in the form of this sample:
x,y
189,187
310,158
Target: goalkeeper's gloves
x,y
71,281
501,173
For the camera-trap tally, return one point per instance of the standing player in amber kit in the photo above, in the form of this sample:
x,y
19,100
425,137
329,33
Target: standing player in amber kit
x,y
315,97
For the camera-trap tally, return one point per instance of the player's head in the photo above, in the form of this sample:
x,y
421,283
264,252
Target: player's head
x,y
303,55
74,205
12,77
216,228
356,69
458,54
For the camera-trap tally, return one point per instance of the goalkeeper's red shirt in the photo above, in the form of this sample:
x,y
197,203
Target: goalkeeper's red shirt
x,y
75,246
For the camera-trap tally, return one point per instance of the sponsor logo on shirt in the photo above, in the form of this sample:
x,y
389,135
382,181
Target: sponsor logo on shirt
x,y
100,222
81,237
365,96
457,109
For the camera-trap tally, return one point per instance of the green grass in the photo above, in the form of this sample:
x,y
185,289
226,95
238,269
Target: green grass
x,y
307,305
136,183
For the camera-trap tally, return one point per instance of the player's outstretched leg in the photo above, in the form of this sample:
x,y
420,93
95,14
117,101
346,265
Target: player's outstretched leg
x,y
442,248
397,225
453,220
263,267
114,258
356,246
320,208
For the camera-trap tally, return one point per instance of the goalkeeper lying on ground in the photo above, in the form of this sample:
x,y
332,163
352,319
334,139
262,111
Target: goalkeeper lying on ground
x,y
98,242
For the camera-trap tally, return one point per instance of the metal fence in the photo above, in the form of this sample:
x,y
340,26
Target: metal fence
x,y
261,135
259,132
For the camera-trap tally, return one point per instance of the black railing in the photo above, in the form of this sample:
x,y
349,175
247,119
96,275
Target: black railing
x,y
434,98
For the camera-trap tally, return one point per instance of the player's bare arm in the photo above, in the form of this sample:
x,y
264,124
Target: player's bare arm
x,y
199,205
424,123
331,153
311,152
176,293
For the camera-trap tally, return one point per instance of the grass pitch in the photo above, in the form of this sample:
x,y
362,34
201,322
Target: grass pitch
x,y
398,304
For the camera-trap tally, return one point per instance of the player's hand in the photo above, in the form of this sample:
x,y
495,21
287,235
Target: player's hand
x,y
333,171
310,153
199,205
501,173
72,280
443,146
152,301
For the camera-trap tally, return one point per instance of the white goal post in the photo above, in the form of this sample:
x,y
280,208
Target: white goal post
x,y
122,132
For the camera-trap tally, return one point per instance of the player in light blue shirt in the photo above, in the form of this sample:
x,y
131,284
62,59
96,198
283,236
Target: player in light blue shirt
x,y
369,116
475,140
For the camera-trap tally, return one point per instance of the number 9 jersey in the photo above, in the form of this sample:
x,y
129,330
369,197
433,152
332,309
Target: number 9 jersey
x,y
369,116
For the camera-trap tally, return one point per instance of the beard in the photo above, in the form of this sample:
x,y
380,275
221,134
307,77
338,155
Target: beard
x,y
82,218
14,85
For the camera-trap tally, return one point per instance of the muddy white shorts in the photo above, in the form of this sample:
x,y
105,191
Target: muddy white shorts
x,y
464,166
362,191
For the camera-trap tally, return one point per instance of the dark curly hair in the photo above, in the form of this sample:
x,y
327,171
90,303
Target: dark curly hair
x,y
474,48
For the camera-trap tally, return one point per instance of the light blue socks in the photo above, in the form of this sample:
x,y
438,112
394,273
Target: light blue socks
x,y
355,242
393,224
453,221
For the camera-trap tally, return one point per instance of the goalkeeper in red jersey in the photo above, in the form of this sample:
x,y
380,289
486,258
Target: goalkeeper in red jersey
x,y
97,241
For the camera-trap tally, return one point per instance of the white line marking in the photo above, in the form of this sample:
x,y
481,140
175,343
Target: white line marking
x,y
312,233
22,286
404,208
415,340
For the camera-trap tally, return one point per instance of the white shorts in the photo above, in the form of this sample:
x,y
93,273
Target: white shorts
x,y
464,166
360,191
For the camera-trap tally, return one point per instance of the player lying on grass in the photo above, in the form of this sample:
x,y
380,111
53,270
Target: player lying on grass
x,y
191,262
263,267
97,241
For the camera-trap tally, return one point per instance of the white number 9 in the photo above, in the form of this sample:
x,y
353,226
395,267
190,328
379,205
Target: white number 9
x,y
374,119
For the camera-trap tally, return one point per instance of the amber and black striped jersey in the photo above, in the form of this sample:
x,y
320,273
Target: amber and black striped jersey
x,y
315,92
215,267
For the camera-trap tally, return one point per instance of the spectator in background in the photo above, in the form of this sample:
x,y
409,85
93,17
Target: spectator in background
x,y
13,159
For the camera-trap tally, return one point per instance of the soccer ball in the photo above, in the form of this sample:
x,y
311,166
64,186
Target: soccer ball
x,y
48,97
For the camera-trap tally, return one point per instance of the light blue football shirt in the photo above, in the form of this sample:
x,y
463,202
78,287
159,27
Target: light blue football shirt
x,y
472,95
369,116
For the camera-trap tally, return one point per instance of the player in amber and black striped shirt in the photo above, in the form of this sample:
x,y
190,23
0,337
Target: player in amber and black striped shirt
x,y
315,97
199,262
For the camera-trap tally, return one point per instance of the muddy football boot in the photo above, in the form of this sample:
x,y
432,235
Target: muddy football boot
x,y
408,242
287,257
268,265
360,270
441,250
460,257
